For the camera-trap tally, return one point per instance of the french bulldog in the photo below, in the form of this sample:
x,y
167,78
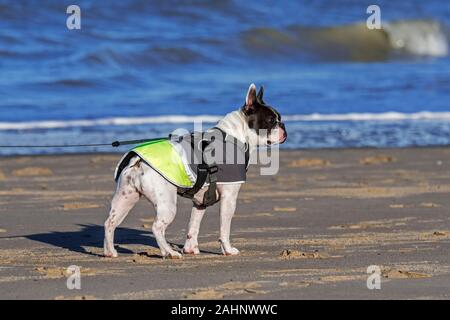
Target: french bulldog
x,y
256,123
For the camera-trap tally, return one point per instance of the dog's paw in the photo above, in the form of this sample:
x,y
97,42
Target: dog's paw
x,y
191,251
175,255
111,253
190,248
231,252
228,250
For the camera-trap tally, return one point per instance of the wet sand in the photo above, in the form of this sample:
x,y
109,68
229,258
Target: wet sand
x,y
309,232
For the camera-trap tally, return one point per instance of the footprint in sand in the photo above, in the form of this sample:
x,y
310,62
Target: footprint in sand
x,y
145,257
440,234
87,297
60,272
22,160
340,278
393,273
362,225
32,172
231,288
284,209
52,272
429,205
313,162
204,295
423,205
397,206
295,254
2,176
79,205
377,160
101,159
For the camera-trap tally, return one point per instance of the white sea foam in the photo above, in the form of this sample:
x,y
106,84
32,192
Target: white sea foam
x,y
183,119
421,37
385,116
118,121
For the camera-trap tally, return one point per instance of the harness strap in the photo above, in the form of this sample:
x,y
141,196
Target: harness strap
x,y
240,145
207,172
202,176
211,196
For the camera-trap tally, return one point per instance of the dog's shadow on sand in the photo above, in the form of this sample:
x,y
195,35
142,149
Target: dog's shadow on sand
x,y
92,236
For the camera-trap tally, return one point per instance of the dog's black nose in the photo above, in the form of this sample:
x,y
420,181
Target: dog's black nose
x,y
284,128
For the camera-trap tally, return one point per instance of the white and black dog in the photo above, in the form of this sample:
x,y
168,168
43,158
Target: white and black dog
x,y
256,124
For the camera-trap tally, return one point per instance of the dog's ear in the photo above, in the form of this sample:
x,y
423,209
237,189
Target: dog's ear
x,y
250,100
260,95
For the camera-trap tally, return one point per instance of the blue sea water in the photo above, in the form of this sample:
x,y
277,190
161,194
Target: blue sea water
x,y
140,69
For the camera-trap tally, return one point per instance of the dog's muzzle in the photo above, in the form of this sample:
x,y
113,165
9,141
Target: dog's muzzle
x,y
283,128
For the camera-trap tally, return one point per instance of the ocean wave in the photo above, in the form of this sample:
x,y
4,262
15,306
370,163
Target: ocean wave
x,y
183,119
72,83
353,42
155,55
118,121
419,37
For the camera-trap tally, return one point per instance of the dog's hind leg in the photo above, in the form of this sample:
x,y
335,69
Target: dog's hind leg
x,y
165,215
163,195
191,244
123,201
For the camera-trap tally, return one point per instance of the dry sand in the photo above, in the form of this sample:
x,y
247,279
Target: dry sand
x,y
309,232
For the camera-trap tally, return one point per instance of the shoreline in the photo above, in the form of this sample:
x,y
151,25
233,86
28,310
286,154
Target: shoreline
x,y
309,232
282,149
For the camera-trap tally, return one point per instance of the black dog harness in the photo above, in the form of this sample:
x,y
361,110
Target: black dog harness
x,y
193,161
231,167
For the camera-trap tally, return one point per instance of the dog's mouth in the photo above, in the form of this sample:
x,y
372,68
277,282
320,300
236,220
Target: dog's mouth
x,y
277,142
282,140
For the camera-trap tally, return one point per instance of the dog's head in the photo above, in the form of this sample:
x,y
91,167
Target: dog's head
x,y
263,118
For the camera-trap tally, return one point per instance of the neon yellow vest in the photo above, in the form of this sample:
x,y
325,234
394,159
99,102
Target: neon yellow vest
x,y
163,158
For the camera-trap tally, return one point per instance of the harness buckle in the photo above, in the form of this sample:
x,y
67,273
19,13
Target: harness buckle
x,y
213,169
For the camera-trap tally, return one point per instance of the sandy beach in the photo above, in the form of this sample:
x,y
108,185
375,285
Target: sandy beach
x,y
309,232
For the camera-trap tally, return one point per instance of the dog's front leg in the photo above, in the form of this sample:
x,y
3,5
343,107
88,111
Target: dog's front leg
x,y
228,200
191,244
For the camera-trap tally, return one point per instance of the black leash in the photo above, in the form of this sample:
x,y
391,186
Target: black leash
x,y
122,143
114,144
